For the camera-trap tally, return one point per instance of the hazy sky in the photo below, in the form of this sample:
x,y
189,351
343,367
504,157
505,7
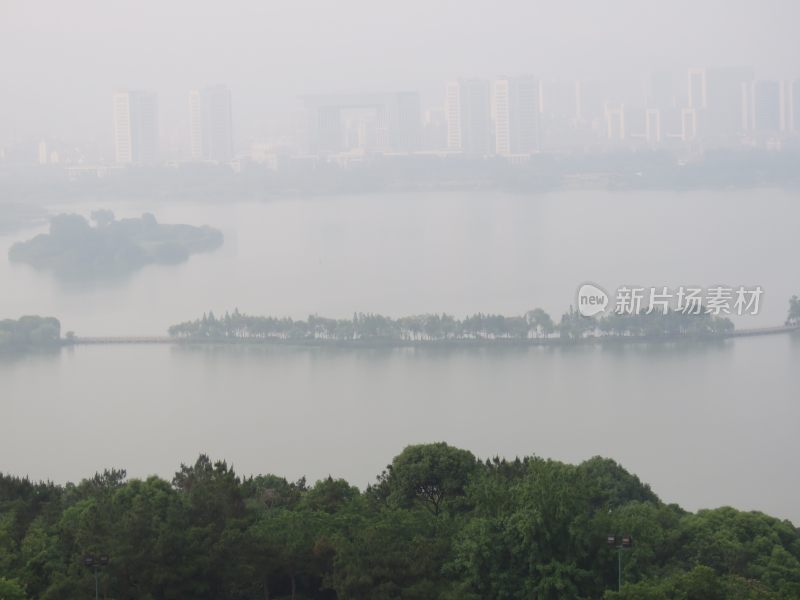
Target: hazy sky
x,y
60,60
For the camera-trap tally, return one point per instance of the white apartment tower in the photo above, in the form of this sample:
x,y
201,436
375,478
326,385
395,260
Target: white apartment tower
x,y
516,116
467,110
135,127
210,124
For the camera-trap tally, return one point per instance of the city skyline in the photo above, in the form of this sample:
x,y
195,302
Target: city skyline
x,y
511,116
269,57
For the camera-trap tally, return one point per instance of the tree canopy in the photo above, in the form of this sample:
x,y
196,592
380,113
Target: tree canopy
x,y
793,318
437,524
29,331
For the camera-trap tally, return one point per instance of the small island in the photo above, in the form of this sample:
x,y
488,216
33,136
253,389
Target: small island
x,y
30,332
75,249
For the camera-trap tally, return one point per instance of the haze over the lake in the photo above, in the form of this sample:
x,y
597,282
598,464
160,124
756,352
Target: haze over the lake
x,y
706,423
405,254
412,300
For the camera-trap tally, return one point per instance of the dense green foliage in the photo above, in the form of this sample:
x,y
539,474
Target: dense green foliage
x,y
438,523
656,324
74,248
533,325
793,317
29,332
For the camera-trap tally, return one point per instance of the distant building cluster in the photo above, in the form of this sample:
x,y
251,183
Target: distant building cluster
x,y
136,126
718,107
136,136
512,117
517,117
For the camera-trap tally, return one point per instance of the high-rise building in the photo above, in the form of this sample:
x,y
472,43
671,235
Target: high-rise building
x,y
452,113
135,127
405,122
368,122
468,113
764,105
210,124
719,98
697,88
516,115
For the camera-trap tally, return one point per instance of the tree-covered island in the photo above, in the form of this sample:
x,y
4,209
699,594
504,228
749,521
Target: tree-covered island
x,y
28,333
74,248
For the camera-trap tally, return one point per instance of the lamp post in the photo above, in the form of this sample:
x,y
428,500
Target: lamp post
x,y
620,543
95,563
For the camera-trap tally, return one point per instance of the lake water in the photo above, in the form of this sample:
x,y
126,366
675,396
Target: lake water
x,y
705,424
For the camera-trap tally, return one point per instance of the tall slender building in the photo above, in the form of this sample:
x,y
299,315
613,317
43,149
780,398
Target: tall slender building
x,y
516,115
697,88
135,127
764,106
405,122
719,97
468,113
210,123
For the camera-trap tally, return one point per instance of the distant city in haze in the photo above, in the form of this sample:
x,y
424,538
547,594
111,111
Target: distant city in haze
x,y
515,117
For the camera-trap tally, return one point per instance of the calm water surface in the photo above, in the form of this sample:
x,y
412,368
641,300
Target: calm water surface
x,y
705,424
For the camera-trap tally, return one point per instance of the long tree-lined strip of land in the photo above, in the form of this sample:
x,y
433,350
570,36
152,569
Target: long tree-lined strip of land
x,y
34,331
533,325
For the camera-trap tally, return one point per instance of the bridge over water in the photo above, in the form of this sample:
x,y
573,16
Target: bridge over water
x,y
125,339
763,331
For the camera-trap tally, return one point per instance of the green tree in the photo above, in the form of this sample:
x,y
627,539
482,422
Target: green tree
x,y
11,590
432,475
793,318
394,554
